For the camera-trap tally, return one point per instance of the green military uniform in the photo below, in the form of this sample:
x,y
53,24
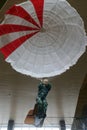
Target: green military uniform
x,y
41,101
41,104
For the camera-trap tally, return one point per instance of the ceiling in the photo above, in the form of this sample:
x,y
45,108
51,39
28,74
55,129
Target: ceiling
x,y
18,92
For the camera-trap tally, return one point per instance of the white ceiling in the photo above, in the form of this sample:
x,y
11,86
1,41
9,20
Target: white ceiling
x,y
18,92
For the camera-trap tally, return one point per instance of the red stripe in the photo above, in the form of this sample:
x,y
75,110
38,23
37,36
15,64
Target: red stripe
x,y
39,5
9,48
19,11
9,28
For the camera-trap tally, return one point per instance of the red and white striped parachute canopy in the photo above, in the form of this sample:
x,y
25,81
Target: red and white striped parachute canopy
x,y
42,38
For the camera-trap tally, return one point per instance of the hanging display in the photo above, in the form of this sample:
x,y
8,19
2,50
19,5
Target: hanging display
x,y
42,38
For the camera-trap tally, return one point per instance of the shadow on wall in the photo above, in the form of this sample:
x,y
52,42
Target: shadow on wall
x,y
80,121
